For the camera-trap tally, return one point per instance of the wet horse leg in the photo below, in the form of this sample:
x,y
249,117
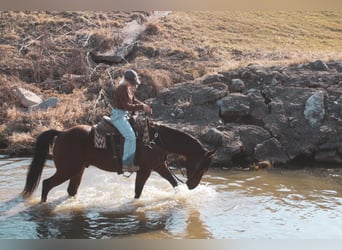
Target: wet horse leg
x,y
51,182
164,172
140,180
61,176
74,183
142,176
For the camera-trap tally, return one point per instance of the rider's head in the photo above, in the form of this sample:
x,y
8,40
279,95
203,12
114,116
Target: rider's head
x,y
132,77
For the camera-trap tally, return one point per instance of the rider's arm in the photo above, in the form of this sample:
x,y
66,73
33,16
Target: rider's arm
x,y
123,101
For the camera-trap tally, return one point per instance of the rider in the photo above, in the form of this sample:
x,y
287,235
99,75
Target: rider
x,y
125,101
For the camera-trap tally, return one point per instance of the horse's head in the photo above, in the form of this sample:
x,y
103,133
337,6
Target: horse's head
x,y
195,174
178,142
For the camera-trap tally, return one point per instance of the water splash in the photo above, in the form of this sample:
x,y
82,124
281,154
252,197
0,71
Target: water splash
x,y
108,192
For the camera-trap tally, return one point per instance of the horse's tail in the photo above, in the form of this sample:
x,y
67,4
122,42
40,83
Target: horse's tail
x,y
43,142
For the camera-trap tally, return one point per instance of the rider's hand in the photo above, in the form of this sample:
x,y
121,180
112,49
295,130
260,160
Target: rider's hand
x,y
147,109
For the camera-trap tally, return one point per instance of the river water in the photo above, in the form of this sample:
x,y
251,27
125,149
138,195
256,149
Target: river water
x,y
272,204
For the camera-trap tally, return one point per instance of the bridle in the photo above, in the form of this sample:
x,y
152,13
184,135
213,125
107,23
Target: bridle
x,y
152,143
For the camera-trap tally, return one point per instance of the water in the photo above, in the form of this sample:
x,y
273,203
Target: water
x,y
274,204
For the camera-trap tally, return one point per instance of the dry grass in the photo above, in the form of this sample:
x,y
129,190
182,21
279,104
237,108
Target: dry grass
x,y
40,47
232,38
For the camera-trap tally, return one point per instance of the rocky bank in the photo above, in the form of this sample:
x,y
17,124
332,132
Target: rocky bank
x,y
280,114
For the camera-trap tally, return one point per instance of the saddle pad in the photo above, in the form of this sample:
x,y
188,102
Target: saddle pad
x,y
99,140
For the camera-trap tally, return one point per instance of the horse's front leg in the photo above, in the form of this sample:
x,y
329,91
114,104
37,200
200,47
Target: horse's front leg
x,y
140,180
164,172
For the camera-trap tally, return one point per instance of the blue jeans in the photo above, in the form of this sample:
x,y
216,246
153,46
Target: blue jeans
x,y
120,121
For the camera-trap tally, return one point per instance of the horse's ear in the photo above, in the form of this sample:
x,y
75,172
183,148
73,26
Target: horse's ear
x,y
210,153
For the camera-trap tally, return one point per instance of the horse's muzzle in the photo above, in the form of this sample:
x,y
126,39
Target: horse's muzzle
x,y
191,185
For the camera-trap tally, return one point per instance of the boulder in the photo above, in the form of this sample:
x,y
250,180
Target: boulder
x,y
319,65
214,137
225,155
251,136
328,156
271,150
234,107
192,93
237,85
26,97
314,109
339,67
49,103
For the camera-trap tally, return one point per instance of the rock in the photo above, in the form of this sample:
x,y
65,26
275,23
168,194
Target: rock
x,y
192,93
208,79
259,108
224,155
339,84
234,107
213,136
250,136
328,156
319,66
237,85
339,67
178,113
26,97
271,150
49,103
314,109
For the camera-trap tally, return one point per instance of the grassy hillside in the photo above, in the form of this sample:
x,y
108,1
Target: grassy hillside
x,y
267,37
39,48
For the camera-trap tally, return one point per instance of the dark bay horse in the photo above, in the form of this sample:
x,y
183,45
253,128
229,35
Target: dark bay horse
x,y
74,150
198,159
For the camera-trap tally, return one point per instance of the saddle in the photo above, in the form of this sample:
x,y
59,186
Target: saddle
x,y
105,127
107,136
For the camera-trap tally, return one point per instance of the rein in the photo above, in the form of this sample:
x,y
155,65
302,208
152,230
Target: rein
x,y
152,142
175,176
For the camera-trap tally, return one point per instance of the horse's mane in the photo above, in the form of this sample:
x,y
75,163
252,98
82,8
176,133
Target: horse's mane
x,y
182,134
183,141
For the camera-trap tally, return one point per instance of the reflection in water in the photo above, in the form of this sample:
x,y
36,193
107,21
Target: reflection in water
x,y
196,228
228,204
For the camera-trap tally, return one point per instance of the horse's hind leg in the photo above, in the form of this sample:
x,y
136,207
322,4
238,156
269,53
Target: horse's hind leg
x,y
51,182
75,183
